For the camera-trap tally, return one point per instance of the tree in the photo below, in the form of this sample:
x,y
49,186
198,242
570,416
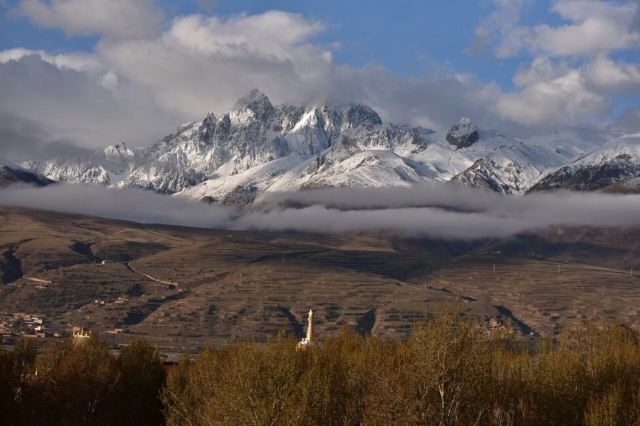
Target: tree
x,y
79,380
140,382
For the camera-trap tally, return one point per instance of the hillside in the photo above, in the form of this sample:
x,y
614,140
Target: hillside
x,y
192,287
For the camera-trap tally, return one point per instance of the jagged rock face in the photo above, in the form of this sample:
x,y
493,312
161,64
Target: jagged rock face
x,y
99,168
463,133
118,158
76,170
241,196
252,133
13,175
255,106
118,153
506,177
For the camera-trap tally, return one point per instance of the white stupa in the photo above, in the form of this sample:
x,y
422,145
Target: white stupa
x,y
306,341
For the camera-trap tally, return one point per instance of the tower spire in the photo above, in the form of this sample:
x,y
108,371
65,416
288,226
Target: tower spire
x,y
310,326
306,341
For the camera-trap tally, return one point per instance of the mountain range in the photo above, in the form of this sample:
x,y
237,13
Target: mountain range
x,y
237,158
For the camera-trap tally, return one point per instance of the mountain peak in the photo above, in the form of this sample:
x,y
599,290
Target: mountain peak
x,y
253,95
256,102
463,133
358,114
119,149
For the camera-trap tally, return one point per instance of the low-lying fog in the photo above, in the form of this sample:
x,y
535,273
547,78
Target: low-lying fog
x,y
442,211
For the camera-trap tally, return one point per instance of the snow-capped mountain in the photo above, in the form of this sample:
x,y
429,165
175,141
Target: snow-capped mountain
x,y
614,167
256,148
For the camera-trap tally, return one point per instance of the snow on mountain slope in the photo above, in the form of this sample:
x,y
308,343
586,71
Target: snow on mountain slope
x,y
255,148
369,168
260,177
499,175
77,170
512,166
613,167
103,167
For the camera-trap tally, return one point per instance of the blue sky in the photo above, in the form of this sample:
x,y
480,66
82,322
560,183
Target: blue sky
x,y
408,37
520,65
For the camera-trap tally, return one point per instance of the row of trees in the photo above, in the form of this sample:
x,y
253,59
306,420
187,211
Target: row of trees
x,y
81,384
448,372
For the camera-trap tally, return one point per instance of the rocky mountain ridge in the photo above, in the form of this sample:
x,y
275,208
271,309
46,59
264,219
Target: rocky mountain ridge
x,y
256,148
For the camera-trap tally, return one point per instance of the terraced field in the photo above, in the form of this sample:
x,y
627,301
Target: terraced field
x,y
184,287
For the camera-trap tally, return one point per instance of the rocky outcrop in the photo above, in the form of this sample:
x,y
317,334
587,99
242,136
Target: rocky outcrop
x,y
502,176
463,134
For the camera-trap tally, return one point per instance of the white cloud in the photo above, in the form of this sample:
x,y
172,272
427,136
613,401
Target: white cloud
x,y
113,19
608,76
79,103
502,28
468,214
556,92
72,61
552,94
260,35
595,27
571,79
435,102
628,122
140,89
127,204
205,63
591,27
